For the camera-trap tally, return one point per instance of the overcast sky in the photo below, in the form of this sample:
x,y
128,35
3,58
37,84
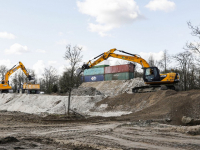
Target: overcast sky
x,y
36,32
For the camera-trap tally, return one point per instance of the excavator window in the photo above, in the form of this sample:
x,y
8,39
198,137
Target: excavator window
x,y
151,74
149,71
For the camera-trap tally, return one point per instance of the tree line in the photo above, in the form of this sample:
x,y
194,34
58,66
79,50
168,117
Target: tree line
x,y
51,82
186,63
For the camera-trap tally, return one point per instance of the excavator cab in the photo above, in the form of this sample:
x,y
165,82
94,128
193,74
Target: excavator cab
x,y
151,74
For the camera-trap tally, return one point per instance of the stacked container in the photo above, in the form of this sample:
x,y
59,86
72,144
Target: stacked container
x,y
94,74
120,72
107,73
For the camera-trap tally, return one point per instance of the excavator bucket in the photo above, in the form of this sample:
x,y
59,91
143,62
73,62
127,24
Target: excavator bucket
x,y
30,78
78,71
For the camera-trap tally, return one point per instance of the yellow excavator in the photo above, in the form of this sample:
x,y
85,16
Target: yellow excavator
x,y
4,86
151,75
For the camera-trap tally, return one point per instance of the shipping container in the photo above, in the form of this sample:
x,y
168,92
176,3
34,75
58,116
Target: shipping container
x,y
119,76
120,68
100,66
94,78
82,79
93,71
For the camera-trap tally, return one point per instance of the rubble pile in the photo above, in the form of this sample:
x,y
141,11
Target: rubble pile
x,y
86,91
115,87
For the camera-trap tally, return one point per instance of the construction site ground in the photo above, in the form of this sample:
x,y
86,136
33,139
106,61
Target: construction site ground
x,y
25,131
111,119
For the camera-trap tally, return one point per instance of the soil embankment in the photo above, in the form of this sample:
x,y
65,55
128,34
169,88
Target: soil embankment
x,y
102,99
167,104
140,126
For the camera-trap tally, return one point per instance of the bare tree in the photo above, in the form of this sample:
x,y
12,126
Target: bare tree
x,y
73,55
185,61
20,78
50,78
65,81
194,46
164,62
151,61
3,70
14,83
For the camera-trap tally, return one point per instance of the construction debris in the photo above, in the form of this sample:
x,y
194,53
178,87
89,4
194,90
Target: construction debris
x,y
86,91
115,87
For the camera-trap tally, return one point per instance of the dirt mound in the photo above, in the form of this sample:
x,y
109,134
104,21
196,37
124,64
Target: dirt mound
x,y
115,87
84,91
167,104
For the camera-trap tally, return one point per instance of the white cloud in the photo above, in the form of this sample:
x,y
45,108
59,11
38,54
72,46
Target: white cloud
x,y
40,51
61,69
39,67
109,14
156,56
51,63
7,63
6,35
60,33
163,5
16,49
62,42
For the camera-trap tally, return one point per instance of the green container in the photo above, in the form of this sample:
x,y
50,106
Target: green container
x,y
100,66
119,76
93,71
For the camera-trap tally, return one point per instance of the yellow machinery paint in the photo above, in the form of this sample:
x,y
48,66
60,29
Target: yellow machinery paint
x,y
29,86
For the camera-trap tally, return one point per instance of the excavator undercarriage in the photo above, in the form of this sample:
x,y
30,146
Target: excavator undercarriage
x,y
154,88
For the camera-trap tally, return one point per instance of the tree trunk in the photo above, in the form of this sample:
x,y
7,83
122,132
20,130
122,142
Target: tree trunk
x,y
69,101
185,88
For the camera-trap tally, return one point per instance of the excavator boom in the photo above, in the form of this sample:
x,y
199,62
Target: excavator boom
x,y
110,53
15,68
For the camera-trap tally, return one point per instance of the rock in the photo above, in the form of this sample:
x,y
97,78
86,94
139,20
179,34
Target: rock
x,y
186,120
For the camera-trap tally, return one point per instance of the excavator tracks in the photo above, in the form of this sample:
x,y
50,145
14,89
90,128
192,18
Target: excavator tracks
x,y
154,88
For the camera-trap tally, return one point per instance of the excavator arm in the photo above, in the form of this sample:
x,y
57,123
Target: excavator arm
x,y
110,53
15,68
133,58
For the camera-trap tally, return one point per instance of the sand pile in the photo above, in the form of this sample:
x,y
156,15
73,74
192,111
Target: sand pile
x,y
115,87
37,104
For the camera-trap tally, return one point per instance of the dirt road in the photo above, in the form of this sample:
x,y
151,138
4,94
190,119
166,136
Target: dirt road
x,y
23,131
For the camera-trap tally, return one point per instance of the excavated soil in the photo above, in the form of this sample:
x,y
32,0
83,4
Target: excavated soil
x,y
153,121
32,133
167,104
